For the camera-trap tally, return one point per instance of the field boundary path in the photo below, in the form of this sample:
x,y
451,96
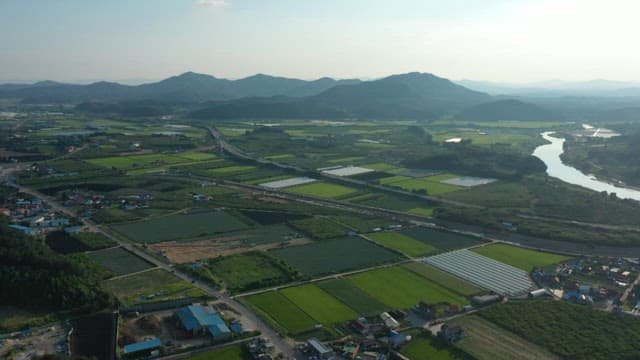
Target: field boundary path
x,y
282,345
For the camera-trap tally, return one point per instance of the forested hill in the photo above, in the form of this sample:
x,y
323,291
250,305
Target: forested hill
x,y
507,110
418,96
185,88
33,276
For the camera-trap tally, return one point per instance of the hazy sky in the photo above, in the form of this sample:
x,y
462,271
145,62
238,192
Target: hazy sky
x,y
514,41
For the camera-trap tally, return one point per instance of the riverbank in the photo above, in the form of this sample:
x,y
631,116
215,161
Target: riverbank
x,y
551,153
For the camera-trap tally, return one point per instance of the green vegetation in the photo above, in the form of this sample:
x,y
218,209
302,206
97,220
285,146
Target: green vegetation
x,y
64,243
345,291
421,211
336,255
568,330
425,346
180,226
402,243
443,240
426,185
33,276
119,261
487,341
443,279
611,159
251,271
151,286
236,352
524,259
399,288
279,310
322,189
136,161
319,227
318,304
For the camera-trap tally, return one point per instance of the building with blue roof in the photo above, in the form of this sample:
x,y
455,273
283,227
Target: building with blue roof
x,y
198,319
143,346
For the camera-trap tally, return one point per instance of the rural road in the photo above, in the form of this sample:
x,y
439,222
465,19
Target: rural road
x,y
281,344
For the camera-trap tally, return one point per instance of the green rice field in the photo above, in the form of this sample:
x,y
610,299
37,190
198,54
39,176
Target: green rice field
x,y
278,309
402,243
400,288
443,240
345,291
322,189
335,255
443,279
522,258
321,306
180,226
119,261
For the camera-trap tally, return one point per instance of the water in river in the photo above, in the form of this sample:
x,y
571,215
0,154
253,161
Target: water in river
x,y
550,155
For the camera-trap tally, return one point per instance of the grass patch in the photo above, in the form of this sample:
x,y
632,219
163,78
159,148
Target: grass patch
x,y
322,189
151,286
250,271
400,288
120,261
443,240
423,347
318,304
380,166
319,227
278,309
137,161
421,211
198,156
402,243
424,184
345,291
393,179
442,278
521,258
336,255
230,169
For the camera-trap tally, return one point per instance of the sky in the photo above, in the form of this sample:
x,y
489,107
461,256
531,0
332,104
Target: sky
x,y
135,40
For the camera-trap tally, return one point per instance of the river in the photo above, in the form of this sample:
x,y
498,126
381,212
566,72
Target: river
x,y
550,155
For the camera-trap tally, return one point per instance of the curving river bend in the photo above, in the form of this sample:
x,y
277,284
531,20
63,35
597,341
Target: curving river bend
x,y
550,155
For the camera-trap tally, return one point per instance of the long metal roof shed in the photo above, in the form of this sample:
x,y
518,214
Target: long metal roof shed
x,y
143,345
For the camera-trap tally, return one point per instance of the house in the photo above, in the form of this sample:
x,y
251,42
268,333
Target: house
x,y
141,348
389,321
425,311
360,325
396,339
198,320
322,351
451,334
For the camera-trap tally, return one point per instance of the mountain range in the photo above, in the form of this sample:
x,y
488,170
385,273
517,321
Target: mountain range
x,y
419,96
188,87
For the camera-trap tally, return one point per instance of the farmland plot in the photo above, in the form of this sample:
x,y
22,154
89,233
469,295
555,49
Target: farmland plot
x,y
120,261
335,255
180,226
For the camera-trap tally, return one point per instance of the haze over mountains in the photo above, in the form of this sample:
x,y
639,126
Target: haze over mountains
x,y
417,96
